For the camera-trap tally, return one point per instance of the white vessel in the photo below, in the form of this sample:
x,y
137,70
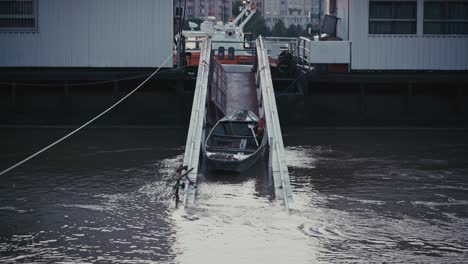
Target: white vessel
x,y
229,42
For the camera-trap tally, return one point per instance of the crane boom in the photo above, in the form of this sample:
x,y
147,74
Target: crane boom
x,y
249,8
252,12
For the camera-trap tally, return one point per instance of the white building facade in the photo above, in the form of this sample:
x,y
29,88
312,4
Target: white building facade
x,y
86,33
292,12
401,35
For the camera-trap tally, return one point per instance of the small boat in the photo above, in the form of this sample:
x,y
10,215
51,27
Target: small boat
x,y
235,143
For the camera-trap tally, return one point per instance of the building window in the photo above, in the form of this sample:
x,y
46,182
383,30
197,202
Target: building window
x,y
189,11
446,17
392,17
16,15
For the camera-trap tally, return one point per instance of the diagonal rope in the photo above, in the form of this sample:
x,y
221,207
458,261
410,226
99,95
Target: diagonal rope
x,y
87,123
91,83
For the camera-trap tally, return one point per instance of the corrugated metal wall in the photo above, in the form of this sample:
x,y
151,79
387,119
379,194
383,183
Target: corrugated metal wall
x,y
329,52
90,33
342,11
397,52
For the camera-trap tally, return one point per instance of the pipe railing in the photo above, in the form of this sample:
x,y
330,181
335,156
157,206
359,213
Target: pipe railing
x,y
303,52
276,45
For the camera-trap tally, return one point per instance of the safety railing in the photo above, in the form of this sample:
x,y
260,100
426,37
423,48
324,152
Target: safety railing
x,y
303,53
197,124
275,45
218,86
277,159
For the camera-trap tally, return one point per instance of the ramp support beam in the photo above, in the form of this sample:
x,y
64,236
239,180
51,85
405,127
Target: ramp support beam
x,y
197,124
278,168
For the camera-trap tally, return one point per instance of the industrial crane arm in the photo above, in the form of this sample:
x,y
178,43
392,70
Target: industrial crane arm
x,y
241,14
246,8
252,12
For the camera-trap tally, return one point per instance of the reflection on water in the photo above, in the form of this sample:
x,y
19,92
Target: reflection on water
x,y
234,221
363,197
385,196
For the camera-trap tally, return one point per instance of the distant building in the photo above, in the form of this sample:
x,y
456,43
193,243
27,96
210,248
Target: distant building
x,y
260,4
292,12
220,9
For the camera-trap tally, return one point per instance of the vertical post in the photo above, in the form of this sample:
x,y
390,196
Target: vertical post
x,y
320,19
179,44
303,56
298,47
226,18
270,158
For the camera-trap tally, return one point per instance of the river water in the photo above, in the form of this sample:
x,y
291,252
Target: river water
x,y
361,196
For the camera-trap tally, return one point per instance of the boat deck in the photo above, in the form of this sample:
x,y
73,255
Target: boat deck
x,y
240,91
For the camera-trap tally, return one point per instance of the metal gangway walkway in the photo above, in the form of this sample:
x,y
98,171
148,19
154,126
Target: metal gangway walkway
x,y
263,85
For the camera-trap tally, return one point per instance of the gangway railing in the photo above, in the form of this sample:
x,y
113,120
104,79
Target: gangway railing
x,y
275,45
197,124
303,53
278,169
218,86
277,159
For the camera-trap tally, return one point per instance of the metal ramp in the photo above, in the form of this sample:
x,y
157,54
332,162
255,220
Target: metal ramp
x,y
196,131
277,158
235,87
240,88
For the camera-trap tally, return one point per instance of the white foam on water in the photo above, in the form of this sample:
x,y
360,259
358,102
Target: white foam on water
x,y
301,157
231,224
93,207
14,209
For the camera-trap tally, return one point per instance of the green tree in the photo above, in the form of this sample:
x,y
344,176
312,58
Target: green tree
x,y
294,31
291,31
257,26
299,31
279,29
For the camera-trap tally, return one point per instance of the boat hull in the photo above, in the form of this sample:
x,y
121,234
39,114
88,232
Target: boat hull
x,y
235,165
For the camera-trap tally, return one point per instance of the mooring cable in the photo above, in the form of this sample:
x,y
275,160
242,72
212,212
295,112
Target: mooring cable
x,y
78,84
91,83
87,123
